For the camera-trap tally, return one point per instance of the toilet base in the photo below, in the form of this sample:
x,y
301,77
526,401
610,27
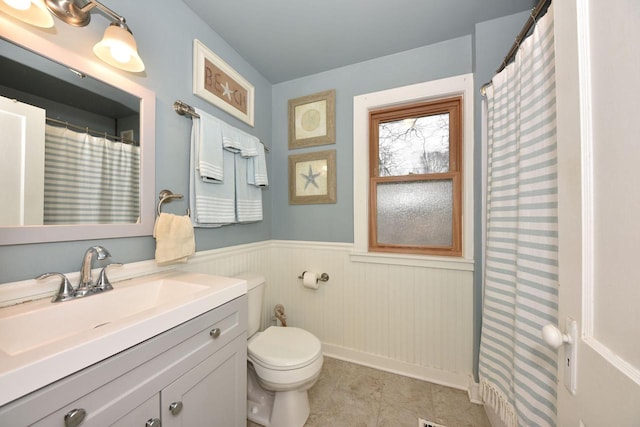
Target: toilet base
x,y
259,401
275,409
290,408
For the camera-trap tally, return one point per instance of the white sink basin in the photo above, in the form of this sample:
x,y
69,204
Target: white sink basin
x,y
41,342
38,324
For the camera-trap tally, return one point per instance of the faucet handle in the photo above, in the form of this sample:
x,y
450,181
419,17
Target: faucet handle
x,y
65,292
103,283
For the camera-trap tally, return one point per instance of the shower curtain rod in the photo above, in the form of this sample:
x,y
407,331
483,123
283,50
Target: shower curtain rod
x,y
89,130
182,108
540,8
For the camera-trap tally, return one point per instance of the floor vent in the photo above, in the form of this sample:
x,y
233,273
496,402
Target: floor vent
x,y
425,423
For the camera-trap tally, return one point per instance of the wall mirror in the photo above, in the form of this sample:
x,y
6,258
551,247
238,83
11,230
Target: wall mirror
x,y
78,145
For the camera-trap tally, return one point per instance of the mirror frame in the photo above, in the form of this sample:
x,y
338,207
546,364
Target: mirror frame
x,y
21,36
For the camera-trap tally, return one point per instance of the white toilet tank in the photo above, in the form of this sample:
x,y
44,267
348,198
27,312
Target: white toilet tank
x,y
255,296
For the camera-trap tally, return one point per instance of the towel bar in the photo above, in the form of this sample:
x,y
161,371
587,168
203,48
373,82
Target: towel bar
x,y
184,109
168,196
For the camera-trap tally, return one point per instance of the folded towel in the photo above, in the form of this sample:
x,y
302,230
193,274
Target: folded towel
x,y
257,168
175,240
237,141
209,133
231,138
249,145
212,204
248,197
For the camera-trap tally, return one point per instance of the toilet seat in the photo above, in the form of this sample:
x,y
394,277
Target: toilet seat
x,y
284,348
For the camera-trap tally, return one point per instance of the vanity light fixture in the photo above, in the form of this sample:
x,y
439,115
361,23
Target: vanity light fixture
x,y
33,12
117,48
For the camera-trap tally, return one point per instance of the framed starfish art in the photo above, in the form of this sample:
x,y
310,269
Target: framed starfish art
x,y
216,82
312,178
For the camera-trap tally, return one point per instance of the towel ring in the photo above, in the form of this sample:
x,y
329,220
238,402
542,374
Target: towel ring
x,y
168,196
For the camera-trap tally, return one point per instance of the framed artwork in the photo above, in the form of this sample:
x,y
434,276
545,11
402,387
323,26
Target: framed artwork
x,y
312,178
312,120
216,82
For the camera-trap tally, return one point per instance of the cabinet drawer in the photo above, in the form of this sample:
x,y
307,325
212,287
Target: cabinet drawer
x,y
217,331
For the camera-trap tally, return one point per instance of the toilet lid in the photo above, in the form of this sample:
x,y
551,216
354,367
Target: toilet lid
x,y
284,348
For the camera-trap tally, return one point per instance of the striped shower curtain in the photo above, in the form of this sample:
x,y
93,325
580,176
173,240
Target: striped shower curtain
x,y
517,370
89,179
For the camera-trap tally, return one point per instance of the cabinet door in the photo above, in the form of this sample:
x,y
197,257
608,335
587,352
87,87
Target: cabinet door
x,y
211,394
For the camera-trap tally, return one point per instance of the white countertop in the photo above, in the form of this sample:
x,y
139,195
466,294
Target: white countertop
x,y
34,363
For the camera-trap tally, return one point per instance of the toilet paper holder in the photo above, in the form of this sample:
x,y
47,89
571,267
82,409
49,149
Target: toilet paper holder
x,y
323,277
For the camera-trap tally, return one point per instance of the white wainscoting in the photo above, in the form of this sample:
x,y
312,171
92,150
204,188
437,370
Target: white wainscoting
x,y
412,320
416,321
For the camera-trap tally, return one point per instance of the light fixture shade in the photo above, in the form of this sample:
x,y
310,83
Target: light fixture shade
x,y
34,12
118,48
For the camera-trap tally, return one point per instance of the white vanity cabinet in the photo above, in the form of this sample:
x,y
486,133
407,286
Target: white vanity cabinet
x,y
191,375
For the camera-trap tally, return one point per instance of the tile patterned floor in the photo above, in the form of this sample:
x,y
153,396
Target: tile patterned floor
x,y
350,395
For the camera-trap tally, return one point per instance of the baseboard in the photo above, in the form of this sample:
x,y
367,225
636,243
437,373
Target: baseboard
x,y
474,391
436,376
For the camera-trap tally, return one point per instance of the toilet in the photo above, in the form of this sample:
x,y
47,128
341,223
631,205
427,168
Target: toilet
x,y
283,363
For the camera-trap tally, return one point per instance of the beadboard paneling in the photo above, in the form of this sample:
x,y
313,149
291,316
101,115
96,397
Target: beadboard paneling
x,y
412,320
411,317
232,261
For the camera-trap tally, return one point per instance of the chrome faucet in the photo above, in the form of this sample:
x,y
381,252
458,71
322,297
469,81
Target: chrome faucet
x,y
87,286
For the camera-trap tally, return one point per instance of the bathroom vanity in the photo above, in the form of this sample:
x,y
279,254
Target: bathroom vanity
x,y
193,373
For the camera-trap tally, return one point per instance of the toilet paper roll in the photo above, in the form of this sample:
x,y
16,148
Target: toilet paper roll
x,y
310,280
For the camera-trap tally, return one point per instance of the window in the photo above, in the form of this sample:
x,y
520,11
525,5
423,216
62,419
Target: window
x,y
404,96
415,178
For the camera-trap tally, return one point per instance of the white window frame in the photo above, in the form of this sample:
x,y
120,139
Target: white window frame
x,y
452,86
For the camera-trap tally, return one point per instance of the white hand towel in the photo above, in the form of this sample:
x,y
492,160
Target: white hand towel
x,y
257,168
208,131
215,203
175,240
248,197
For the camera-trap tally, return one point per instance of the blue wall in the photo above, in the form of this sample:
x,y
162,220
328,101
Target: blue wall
x,y
167,53
334,222
164,35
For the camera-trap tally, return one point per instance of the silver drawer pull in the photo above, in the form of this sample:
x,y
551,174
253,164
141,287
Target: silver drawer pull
x,y
153,422
74,417
175,408
215,332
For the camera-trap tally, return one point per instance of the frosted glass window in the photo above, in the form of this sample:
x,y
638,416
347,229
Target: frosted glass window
x,y
415,177
415,213
416,145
